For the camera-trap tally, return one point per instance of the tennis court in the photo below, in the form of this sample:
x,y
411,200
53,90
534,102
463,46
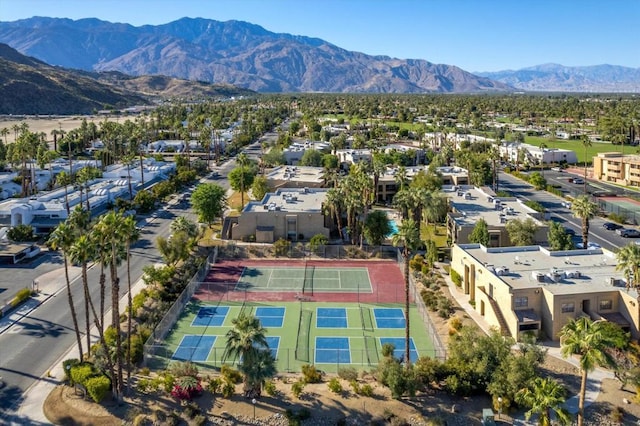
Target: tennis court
x,y
328,334
307,279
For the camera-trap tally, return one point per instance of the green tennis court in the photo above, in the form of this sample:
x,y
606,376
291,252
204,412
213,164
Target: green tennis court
x,y
305,279
327,334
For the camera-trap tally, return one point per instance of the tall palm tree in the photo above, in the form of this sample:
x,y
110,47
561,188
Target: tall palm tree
x,y
112,224
586,142
64,179
543,146
544,396
243,161
82,252
334,206
247,341
408,236
628,258
590,340
585,209
62,238
131,234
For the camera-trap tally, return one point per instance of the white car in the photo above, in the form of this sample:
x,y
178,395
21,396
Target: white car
x,y
590,246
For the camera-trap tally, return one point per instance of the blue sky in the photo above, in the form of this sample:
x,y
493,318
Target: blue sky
x,y
476,35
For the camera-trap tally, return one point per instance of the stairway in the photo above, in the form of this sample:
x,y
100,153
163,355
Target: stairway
x,y
504,330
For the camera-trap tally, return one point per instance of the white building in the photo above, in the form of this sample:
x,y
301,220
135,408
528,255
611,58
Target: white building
x,y
293,154
536,155
151,169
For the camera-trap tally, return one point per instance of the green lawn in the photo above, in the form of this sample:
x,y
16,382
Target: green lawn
x,y
576,145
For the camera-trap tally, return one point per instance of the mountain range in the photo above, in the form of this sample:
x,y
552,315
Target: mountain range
x,y
248,56
232,52
30,86
558,78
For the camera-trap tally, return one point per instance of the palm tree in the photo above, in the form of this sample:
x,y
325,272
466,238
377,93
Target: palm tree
x,y
590,340
408,236
242,161
334,206
112,224
131,235
544,396
583,208
543,146
82,252
62,238
64,179
586,142
247,341
628,258
182,224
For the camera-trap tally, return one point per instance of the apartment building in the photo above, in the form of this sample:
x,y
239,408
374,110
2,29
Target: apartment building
x,y
531,289
617,168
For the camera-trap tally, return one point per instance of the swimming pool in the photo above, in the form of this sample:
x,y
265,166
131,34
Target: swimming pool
x,y
394,228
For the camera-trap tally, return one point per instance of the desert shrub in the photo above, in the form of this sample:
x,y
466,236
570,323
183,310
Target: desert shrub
x,y
618,218
297,388
270,388
296,417
355,386
455,323
426,269
22,295
456,277
186,388
142,420
144,371
180,369
80,373
97,387
347,373
67,364
144,385
427,370
214,385
228,389
311,374
281,247
416,262
160,416
334,385
387,350
231,374
199,420
168,381
366,390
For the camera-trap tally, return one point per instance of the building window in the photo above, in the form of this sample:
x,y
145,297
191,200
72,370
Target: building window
x,y
521,302
568,307
606,305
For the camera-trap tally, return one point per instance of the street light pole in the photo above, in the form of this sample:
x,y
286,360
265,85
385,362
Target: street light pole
x,y
499,407
253,401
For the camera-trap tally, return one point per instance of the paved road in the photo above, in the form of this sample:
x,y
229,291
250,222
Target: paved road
x,y
31,346
559,213
37,341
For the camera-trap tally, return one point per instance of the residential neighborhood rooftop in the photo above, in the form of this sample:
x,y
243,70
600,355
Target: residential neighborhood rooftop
x,y
559,272
290,200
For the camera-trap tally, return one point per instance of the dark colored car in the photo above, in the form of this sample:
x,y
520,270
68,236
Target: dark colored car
x,y
610,226
569,231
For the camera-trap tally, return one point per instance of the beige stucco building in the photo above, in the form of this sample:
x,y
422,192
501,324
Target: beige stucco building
x,y
469,204
520,289
291,214
617,168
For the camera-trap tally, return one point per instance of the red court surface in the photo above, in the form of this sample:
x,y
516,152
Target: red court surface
x,y
386,278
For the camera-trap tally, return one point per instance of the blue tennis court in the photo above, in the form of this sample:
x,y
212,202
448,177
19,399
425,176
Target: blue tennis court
x,y
389,318
212,316
274,343
270,316
333,350
399,344
194,347
331,318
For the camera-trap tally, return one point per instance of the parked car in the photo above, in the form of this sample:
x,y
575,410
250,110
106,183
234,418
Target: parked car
x,y
569,231
578,181
610,226
590,246
628,233
488,418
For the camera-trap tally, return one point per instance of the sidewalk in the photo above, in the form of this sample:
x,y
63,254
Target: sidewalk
x,y
32,404
594,380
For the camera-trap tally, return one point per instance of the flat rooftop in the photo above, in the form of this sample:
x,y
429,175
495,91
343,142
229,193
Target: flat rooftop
x,y
559,272
290,200
297,174
472,203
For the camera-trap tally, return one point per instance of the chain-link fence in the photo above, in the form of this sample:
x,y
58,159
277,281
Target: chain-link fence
x,y
235,250
160,355
632,215
168,321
